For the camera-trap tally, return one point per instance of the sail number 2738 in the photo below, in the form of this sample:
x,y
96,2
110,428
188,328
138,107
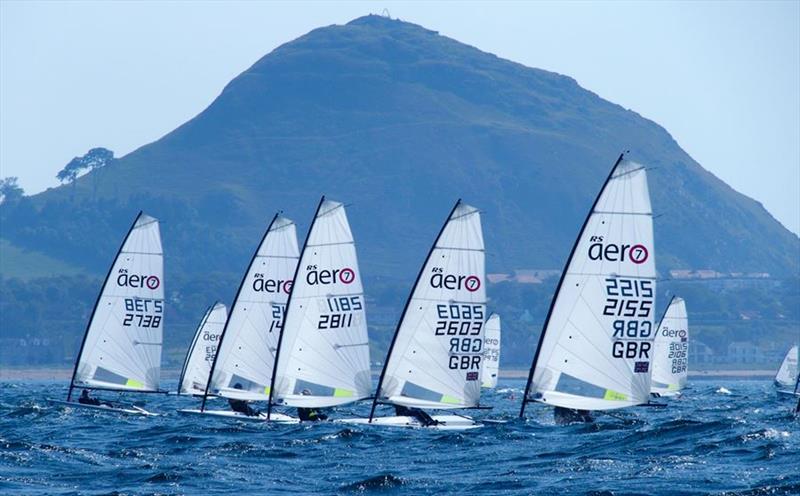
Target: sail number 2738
x,y
143,312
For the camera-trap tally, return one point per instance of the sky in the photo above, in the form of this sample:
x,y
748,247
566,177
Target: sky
x,y
722,77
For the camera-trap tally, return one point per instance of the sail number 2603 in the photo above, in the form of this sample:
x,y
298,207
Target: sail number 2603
x,y
143,312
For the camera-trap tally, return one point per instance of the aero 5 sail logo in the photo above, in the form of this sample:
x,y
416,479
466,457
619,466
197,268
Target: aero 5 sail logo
x,y
612,252
262,284
326,276
137,280
441,280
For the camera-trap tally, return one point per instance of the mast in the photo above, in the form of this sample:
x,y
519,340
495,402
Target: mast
x,y
561,282
97,302
194,343
286,312
405,310
664,314
235,300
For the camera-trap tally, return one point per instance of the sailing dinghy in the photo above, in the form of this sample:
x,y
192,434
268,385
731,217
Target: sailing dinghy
x,y
434,360
788,374
596,347
671,351
491,355
249,340
197,366
121,349
323,352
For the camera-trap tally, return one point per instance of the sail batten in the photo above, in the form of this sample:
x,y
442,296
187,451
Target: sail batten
x,y
121,349
596,346
435,357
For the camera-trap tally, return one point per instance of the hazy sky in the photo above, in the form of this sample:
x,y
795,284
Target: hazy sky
x,y
723,78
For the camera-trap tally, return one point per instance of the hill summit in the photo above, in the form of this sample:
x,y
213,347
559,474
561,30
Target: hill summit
x,y
399,121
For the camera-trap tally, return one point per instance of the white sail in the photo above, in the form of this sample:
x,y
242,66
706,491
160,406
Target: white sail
x,y
435,361
491,354
671,350
787,374
122,346
197,366
324,356
596,349
246,355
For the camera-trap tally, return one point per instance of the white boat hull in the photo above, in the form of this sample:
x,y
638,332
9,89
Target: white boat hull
x,y
229,414
133,410
787,392
445,422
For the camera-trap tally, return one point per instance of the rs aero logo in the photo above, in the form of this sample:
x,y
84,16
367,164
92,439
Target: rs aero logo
x,y
316,276
441,280
612,252
262,284
137,280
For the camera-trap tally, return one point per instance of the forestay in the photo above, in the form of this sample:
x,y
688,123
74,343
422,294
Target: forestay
x,y
248,345
788,373
200,357
596,349
491,354
435,359
122,345
324,350
671,350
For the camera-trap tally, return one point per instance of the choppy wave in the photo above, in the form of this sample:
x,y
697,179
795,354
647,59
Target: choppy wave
x,y
744,443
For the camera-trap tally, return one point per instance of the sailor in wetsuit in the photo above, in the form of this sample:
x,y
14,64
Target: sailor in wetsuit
x,y
85,399
421,416
564,416
310,414
242,406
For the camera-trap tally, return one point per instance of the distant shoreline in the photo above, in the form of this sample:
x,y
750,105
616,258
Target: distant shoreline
x,y
59,374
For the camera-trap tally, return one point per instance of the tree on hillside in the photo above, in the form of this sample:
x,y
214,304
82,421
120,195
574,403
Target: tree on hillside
x,y
10,190
94,159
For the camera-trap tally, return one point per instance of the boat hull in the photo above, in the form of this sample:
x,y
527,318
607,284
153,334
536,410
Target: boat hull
x,y
228,414
445,422
105,408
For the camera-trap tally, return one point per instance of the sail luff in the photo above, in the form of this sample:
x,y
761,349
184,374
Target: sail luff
x,y
96,303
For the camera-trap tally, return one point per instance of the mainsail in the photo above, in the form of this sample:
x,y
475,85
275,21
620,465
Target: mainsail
x,y
323,357
197,366
434,360
596,346
788,373
245,357
121,349
491,355
671,350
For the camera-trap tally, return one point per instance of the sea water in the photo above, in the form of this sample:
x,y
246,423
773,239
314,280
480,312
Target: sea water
x,y
706,442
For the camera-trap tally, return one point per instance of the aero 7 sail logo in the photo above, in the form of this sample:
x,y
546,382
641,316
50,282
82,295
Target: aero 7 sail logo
x,y
612,252
137,280
261,283
326,276
441,280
